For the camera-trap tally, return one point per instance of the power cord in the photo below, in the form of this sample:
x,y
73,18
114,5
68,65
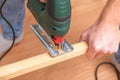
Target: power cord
x,y
96,70
108,63
11,29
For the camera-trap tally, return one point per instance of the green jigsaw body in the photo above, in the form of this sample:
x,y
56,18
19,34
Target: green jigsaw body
x,y
54,16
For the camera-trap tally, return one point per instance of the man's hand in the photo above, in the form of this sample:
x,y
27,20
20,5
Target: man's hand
x,y
43,0
102,38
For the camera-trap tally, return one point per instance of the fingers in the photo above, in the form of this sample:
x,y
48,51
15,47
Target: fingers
x,y
91,52
96,51
84,36
114,48
100,43
43,0
101,53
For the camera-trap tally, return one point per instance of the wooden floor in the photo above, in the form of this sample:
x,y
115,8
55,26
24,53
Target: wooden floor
x,y
84,14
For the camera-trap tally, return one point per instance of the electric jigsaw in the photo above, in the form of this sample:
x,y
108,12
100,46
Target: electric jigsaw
x,y
54,18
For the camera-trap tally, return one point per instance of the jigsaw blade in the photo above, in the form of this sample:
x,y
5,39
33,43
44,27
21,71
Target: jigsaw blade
x,y
43,37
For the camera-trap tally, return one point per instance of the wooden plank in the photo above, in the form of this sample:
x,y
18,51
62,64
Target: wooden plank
x,y
28,65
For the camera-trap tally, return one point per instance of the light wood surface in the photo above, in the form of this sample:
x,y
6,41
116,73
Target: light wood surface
x,y
38,62
84,14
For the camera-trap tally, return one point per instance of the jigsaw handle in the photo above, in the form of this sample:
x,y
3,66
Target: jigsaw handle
x,y
35,6
59,10
54,15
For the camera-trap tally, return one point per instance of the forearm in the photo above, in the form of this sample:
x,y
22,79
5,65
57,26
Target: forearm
x,y
111,13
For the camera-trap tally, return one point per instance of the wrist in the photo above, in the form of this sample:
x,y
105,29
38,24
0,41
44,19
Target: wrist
x,y
107,22
108,18
111,13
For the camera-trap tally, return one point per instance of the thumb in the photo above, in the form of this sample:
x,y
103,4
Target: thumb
x,y
83,37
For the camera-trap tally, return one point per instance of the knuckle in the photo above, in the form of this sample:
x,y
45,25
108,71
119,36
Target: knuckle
x,y
113,51
105,51
83,34
97,48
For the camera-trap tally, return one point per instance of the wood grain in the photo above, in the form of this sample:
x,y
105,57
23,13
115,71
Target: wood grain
x,y
84,14
38,62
